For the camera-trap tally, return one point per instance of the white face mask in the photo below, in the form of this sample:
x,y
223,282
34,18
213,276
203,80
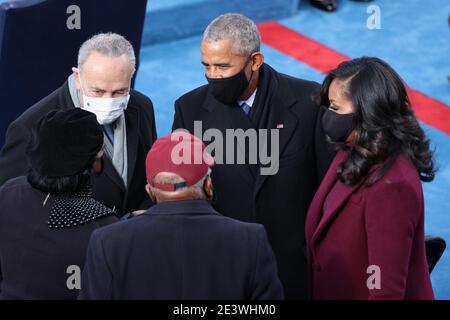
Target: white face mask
x,y
107,110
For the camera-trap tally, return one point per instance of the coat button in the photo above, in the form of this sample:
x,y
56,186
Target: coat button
x,y
316,266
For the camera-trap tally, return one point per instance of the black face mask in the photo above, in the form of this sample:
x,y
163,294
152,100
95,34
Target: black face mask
x,y
337,126
229,90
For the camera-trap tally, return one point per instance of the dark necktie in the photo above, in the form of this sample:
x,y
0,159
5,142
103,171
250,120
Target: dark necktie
x,y
108,129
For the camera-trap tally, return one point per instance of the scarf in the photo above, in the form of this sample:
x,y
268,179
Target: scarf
x,y
76,209
261,111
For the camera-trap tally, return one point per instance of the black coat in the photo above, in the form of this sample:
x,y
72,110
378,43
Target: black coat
x,y
180,250
279,202
108,187
34,259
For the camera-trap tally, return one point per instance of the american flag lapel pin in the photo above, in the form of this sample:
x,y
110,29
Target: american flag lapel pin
x,y
280,126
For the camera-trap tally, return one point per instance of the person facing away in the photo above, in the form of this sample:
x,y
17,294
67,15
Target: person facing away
x,y
244,94
47,217
100,84
365,226
181,248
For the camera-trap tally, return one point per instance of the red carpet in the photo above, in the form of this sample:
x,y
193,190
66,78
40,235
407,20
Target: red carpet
x,y
323,59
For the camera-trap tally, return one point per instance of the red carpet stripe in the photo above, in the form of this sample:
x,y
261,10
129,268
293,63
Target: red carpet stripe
x,y
323,59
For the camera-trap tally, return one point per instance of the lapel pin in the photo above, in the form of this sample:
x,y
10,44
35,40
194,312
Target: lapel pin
x,y
280,126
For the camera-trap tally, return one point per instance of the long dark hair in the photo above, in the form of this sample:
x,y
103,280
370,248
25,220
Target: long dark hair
x,y
384,122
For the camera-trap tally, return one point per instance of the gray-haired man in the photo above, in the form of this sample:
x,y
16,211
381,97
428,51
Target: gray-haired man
x,y
99,84
244,93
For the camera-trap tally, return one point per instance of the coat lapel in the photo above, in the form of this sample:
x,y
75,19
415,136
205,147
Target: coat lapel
x,y
110,171
316,208
132,127
132,123
222,117
323,216
281,114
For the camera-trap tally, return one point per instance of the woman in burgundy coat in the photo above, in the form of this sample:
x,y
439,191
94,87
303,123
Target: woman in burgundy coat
x,y
365,225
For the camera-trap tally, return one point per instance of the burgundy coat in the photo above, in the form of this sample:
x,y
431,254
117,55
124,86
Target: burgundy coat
x,y
381,225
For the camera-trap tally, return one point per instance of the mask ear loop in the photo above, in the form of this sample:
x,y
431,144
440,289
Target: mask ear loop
x,y
251,76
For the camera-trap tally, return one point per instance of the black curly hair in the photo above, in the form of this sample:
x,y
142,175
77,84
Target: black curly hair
x,y
384,122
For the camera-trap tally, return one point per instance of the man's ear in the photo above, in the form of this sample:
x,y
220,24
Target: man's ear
x,y
150,193
257,60
76,75
208,187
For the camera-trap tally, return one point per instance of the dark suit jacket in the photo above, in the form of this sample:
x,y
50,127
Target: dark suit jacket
x,y
280,201
108,187
34,259
358,226
180,250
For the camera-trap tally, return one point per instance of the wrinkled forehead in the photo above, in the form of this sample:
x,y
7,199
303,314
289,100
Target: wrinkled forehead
x,y
98,64
107,73
220,49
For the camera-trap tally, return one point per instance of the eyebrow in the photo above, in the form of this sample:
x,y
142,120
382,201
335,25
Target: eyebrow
x,y
97,89
334,103
121,89
217,64
103,90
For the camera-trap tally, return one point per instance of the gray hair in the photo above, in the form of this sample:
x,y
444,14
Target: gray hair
x,y
109,44
242,31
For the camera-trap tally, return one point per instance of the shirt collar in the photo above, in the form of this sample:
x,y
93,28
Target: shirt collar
x,y
250,100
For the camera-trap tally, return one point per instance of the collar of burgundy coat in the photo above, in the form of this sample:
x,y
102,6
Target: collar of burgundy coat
x,y
316,222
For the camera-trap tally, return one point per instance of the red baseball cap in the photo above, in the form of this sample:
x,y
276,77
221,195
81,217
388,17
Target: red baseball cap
x,y
180,153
